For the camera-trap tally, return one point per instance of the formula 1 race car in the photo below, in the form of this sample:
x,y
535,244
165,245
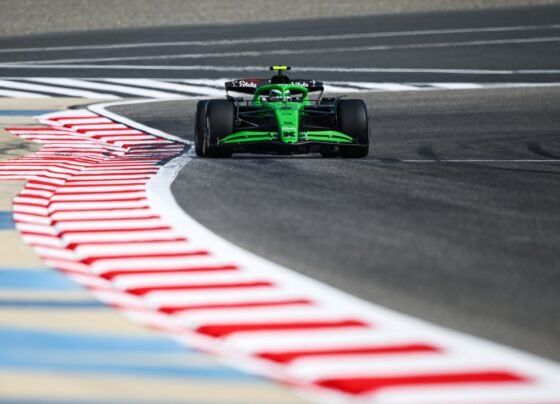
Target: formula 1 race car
x,y
280,118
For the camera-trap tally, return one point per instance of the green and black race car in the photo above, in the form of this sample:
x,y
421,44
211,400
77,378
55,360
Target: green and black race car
x,y
281,118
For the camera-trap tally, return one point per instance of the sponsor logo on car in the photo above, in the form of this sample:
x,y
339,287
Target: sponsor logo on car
x,y
243,83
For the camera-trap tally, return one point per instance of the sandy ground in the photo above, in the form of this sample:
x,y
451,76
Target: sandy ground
x,y
22,17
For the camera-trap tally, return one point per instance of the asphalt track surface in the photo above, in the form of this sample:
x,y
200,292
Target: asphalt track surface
x,y
470,243
422,47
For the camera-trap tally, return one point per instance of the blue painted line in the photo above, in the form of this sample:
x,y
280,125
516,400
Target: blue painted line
x,y
6,220
40,279
37,362
33,339
25,112
39,350
50,304
22,400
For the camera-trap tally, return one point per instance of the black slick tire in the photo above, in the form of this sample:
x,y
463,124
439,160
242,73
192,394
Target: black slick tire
x,y
352,120
219,122
199,125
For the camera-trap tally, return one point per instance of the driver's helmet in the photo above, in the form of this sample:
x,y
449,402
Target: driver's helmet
x,y
287,96
275,95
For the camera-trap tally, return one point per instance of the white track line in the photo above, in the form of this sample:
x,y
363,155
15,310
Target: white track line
x,y
21,94
109,87
210,87
56,90
184,88
483,161
254,68
300,38
308,51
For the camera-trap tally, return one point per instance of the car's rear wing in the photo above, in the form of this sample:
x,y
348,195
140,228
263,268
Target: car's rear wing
x,y
312,85
245,86
249,86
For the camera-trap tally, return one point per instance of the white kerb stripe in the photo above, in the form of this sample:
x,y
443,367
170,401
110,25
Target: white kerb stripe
x,y
118,236
84,121
98,126
504,393
37,228
314,368
55,253
102,214
194,278
267,341
107,138
66,113
134,249
255,296
22,217
97,196
121,132
219,296
110,224
104,265
274,314
101,189
58,206
43,240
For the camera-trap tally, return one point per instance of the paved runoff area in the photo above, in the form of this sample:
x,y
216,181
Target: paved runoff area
x,y
31,16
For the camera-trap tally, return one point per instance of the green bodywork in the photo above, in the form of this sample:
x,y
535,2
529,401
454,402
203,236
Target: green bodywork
x,y
287,114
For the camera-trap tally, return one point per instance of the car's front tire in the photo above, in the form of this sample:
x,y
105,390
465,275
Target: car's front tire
x,y
216,123
199,127
352,120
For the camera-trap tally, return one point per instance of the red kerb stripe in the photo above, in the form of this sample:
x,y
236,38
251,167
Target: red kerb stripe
x,y
73,246
91,260
148,216
292,302
223,330
363,385
74,210
169,288
123,272
288,356
105,200
132,230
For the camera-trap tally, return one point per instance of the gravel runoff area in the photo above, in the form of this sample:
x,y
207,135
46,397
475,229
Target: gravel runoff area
x,y
22,17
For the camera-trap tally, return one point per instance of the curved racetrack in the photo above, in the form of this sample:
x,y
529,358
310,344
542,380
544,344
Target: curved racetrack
x,y
452,218
470,243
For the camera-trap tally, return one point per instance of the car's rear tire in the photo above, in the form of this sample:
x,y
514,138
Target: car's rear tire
x,y
352,120
219,122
